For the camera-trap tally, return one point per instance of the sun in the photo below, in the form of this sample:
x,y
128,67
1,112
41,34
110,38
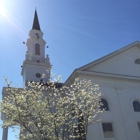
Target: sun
x,y
2,9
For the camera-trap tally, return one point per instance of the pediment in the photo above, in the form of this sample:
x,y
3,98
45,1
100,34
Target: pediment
x,y
125,61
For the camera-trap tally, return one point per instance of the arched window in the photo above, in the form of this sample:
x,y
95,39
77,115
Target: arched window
x,y
37,49
136,106
137,61
104,105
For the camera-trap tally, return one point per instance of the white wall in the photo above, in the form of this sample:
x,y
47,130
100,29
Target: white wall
x,y
120,95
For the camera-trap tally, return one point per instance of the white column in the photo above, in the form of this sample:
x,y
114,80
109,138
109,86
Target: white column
x,y
5,133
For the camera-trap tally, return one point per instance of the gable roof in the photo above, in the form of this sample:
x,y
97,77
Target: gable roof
x,y
93,63
109,56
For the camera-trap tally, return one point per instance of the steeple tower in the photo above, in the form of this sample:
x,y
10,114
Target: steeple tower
x,y
36,25
36,63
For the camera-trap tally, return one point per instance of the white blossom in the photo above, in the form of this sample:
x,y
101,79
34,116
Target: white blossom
x,y
48,113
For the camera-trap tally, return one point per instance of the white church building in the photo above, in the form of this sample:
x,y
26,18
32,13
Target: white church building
x,y
118,75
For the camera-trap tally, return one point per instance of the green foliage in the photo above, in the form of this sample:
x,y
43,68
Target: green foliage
x,y
45,112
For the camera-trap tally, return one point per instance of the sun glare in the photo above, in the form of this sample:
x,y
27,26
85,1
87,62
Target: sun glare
x,y
6,16
2,10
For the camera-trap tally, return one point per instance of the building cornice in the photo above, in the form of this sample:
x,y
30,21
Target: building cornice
x,y
35,63
109,75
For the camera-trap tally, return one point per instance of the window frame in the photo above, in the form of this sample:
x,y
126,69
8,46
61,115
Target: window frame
x,y
112,127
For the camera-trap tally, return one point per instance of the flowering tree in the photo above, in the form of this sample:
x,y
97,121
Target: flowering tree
x,y
46,112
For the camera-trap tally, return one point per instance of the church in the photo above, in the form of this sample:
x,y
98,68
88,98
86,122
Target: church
x,y
118,75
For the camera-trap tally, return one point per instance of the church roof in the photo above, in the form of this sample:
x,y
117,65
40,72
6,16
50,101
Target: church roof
x,y
36,25
89,68
108,56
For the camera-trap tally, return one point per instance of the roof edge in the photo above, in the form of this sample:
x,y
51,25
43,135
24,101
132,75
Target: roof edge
x,y
108,56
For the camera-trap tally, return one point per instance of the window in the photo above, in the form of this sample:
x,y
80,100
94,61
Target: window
x,y
108,130
104,105
139,126
37,49
137,61
136,106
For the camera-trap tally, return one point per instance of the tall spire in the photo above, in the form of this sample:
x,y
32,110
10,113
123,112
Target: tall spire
x,y
36,25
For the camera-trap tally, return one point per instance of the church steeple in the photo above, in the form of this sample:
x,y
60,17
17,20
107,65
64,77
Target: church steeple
x,y
36,25
36,62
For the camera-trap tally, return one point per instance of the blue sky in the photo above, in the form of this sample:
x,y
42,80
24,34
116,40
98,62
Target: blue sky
x,y
76,31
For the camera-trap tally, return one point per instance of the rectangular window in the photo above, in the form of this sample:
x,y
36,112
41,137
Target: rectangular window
x,y
108,130
139,125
